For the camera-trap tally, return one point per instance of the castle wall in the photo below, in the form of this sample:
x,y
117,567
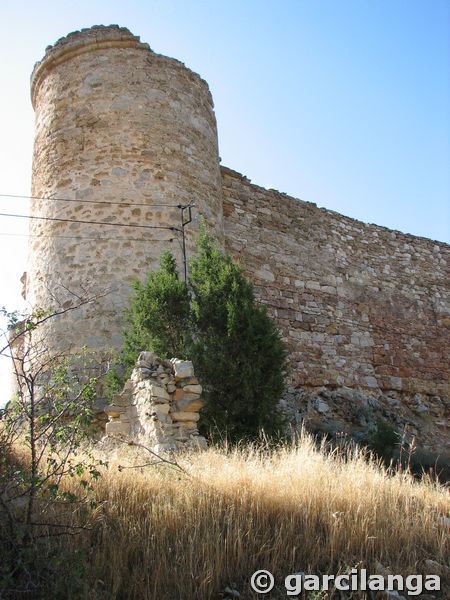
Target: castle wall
x,y
359,306
126,135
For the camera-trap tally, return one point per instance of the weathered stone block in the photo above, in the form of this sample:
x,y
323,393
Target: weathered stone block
x,y
157,392
190,404
370,381
185,416
182,369
117,428
265,275
140,374
321,406
114,411
178,394
193,389
162,415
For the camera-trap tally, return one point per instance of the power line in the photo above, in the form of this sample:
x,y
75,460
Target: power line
x,y
91,222
91,201
79,237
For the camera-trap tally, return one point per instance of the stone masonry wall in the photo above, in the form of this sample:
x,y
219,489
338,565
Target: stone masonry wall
x,y
362,309
158,405
123,136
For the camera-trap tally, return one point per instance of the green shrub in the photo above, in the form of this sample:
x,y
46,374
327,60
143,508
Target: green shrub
x,y
385,441
158,318
238,353
235,346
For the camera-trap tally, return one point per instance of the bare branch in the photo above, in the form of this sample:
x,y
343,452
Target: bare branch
x,y
161,459
58,311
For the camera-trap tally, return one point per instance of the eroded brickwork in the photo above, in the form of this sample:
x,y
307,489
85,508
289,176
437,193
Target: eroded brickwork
x,y
360,307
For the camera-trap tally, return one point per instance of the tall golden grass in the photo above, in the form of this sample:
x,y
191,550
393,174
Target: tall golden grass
x,y
162,534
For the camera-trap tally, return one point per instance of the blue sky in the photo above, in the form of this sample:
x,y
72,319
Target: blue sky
x,y
343,103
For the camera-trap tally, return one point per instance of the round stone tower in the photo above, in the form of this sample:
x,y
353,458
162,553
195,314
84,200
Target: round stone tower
x,y
123,137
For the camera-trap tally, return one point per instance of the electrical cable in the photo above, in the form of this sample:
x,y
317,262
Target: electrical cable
x,y
126,203
79,237
90,222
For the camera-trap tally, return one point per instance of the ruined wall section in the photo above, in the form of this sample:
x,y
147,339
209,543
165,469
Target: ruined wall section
x,y
360,306
159,405
126,135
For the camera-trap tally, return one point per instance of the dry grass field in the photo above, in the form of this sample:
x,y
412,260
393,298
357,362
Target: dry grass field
x,y
162,534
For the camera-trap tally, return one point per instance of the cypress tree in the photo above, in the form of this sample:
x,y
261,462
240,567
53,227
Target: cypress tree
x,y
158,319
238,355
237,351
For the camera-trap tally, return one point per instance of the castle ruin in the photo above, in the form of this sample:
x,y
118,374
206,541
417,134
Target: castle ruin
x,y
124,138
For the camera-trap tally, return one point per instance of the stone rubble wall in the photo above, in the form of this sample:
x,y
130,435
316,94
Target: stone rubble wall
x,y
363,310
158,405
